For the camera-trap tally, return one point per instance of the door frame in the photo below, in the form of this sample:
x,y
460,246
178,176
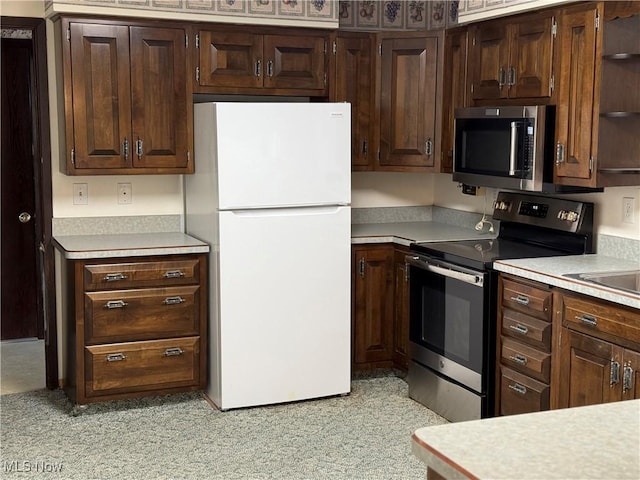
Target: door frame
x,y
42,177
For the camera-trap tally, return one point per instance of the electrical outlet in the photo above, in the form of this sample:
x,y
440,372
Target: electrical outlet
x,y
628,209
125,196
80,194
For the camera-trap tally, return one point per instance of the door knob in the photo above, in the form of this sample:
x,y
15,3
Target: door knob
x,y
24,217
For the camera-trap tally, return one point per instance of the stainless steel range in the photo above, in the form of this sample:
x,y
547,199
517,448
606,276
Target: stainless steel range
x,y
453,297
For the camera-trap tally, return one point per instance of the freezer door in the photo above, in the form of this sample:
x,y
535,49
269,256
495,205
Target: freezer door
x,y
284,312
282,154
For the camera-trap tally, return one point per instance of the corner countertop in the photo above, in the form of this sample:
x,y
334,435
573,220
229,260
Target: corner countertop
x,y
405,233
551,270
597,441
77,247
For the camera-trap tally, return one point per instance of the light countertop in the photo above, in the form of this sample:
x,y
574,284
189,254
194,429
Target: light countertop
x,y
551,271
593,442
76,247
405,233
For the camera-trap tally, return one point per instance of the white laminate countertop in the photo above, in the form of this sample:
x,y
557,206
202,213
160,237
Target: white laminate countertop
x,y
405,233
77,247
551,270
593,442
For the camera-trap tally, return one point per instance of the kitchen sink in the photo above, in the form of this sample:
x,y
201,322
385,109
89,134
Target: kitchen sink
x,y
627,280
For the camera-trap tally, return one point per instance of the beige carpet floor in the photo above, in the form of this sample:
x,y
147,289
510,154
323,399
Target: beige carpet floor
x,y
21,366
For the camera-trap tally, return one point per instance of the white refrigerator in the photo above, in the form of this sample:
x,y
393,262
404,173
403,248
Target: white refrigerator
x,y
271,194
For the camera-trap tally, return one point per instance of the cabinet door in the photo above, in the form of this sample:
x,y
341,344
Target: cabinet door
x,y
489,58
294,62
401,311
354,84
590,370
631,375
531,55
101,105
373,309
575,106
408,103
230,59
161,101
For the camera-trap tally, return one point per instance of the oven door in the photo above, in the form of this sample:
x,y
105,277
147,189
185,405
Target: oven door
x,y
448,311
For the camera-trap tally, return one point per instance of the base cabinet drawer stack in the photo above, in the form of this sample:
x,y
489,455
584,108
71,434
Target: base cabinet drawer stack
x,y
136,326
523,347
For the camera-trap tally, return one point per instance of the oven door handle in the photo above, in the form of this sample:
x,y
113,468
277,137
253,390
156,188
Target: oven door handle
x,y
470,278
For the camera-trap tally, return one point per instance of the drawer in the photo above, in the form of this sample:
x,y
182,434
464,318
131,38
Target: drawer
x,y
141,274
521,394
526,359
593,317
526,298
141,366
141,314
530,330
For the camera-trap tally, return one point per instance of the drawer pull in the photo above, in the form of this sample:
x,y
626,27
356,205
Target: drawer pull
x,y
521,299
173,352
587,320
115,304
521,359
114,277
173,274
519,328
614,376
627,378
173,300
116,357
516,387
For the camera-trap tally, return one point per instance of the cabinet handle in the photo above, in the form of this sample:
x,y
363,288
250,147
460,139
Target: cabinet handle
x,y
173,352
361,267
364,148
116,357
627,378
125,148
516,387
258,67
512,76
501,78
139,150
521,299
559,153
270,68
614,377
587,320
521,359
519,328
113,277
111,304
173,300
428,147
173,274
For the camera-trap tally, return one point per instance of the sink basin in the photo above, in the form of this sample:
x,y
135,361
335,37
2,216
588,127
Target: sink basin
x,y
628,281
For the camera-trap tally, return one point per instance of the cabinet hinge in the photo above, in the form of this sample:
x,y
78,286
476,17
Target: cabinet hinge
x,y
197,74
597,21
590,165
197,41
73,156
186,41
553,81
188,156
554,27
68,33
335,47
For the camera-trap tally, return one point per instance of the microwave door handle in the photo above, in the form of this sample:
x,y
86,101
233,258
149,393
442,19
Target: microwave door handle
x,y
514,149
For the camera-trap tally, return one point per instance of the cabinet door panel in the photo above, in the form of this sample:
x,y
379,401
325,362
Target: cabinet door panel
x,y
294,62
407,102
575,106
531,59
489,54
101,95
230,59
354,84
161,100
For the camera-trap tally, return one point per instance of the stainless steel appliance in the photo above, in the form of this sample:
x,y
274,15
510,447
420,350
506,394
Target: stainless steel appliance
x,y
453,297
505,147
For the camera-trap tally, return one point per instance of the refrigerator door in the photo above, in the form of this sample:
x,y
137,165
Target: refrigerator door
x,y
284,306
280,154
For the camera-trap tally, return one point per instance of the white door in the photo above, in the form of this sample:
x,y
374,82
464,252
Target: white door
x,y
284,305
283,154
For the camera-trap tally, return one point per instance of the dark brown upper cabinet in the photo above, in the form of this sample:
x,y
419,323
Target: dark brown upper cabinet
x,y
249,61
128,107
512,58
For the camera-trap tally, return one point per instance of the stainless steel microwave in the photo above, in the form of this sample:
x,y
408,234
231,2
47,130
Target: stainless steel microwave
x,y
504,147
